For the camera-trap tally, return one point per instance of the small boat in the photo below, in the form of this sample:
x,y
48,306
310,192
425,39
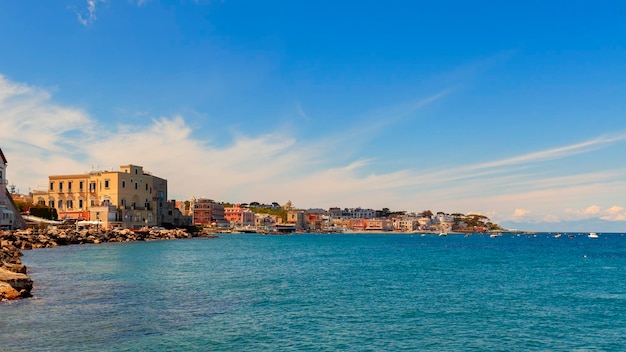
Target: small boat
x,y
443,234
558,235
592,235
494,235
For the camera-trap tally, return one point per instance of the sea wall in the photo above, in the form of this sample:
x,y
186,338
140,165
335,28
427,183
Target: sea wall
x,y
14,281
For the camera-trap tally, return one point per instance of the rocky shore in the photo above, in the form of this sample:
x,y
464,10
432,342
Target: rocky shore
x,y
14,280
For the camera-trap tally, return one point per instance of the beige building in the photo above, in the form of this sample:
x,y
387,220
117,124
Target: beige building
x,y
128,198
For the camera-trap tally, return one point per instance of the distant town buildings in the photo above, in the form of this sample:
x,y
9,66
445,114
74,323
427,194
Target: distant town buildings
x,y
134,198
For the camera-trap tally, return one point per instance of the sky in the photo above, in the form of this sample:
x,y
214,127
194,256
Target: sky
x,y
513,110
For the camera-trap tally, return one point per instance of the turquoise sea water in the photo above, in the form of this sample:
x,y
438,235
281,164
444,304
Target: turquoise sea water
x,y
325,293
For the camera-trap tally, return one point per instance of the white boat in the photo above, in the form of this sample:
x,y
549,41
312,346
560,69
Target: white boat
x,y
496,234
443,234
558,235
592,235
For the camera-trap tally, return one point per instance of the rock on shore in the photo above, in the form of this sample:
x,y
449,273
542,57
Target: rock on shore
x,y
14,281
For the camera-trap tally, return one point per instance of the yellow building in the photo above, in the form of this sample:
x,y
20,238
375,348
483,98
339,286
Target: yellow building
x,y
131,191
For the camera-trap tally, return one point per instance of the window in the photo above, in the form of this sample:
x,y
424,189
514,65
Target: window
x,y
93,202
61,186
69,186
136,171
80,204
106,184
92,186
52,186
146,186
51,203
136,185
80,186
69,204
123,183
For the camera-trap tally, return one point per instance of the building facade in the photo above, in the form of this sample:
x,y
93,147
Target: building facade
x,y
131,191
206,212
9,217
239,216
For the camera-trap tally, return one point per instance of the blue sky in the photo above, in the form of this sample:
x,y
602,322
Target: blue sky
x,y
511,110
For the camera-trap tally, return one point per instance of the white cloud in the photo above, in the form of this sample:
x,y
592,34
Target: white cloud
x,y
615,213
520,213
586,213
88,16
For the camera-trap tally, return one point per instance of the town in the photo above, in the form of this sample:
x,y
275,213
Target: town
x,y
133,198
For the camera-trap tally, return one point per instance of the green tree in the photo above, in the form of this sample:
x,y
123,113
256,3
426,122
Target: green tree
x,y
44,211
280,213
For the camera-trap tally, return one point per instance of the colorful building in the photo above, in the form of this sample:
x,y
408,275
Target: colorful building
x,y
239,216
206,212
134,194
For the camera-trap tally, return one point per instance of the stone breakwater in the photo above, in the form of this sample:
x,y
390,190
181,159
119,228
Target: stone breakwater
x,y
14,281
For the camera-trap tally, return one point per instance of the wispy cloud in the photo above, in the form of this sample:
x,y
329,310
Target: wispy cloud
x,y
88,16
555,153
301,112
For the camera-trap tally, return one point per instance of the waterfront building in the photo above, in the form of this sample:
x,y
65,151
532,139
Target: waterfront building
x,y
297,218
357,224
239,216
9,216
315,221
173,216
405,224
378,225
160,198
265,222
206,212
130,191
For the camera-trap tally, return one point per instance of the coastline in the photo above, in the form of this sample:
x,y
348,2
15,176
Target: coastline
x,y
14,280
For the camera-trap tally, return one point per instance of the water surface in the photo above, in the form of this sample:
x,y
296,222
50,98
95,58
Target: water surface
x,y
325,293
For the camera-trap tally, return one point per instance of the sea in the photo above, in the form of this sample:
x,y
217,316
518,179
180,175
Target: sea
x,y
343,292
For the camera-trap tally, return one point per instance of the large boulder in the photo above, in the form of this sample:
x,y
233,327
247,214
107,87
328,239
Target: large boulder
x,y
8,292
20,282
